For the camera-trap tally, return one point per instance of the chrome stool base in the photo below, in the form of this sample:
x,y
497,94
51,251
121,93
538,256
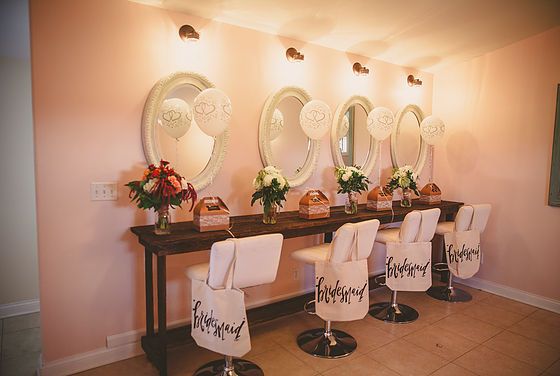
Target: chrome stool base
x,y
448,294
241,367
319,343
388,312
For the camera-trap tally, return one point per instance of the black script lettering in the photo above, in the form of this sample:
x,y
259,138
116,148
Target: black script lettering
x,y
206,322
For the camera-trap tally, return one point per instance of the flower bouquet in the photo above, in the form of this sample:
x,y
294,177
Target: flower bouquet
x,y
351,180
159,189
270,189
404,178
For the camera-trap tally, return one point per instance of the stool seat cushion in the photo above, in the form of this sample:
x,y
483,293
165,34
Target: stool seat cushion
x,y
445,227
198,272
388,235
310,255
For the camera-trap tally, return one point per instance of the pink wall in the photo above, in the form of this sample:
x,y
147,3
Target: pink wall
x,y
499,112
94,63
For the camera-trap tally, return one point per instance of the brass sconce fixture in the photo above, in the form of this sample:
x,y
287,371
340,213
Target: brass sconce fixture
x,y
294,55
188,33
360,70
413,81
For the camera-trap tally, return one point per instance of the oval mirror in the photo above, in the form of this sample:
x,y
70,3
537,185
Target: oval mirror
x,y
351,143
282,142
194,155
407,146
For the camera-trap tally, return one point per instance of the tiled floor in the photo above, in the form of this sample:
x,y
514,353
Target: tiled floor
x,y
20,345
488,336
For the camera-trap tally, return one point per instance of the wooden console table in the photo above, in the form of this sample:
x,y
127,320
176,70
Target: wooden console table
x,y
185,239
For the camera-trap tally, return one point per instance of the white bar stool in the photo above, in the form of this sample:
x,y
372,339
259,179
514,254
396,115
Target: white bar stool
x,y
257,264
469,217
418,226
327,342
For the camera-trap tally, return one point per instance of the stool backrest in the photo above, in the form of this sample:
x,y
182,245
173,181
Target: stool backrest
x,y
463,218
257,262
428,224
365,232
410,226
480,216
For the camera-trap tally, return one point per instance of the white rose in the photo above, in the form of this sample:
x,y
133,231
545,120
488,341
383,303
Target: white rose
x,y
267,180
282,182
149,185
271,169
346,176
256,184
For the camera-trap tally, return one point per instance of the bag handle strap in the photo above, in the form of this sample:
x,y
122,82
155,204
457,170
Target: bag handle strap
x,y
354,246
231,270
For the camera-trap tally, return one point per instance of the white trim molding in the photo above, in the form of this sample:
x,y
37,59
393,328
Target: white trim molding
x,y
19,308
512,293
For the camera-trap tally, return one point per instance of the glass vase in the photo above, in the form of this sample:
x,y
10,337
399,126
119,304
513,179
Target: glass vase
x,y
270,214
406,198
351,204
163,221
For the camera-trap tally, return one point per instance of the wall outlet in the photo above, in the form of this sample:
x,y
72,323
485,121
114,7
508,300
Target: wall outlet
x,y
295,274
105,191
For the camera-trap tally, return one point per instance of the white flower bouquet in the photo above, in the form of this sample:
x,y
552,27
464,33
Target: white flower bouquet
x,y
351,179
270,189
404,178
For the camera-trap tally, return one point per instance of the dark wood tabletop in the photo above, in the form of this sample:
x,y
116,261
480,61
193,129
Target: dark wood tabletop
x,y
184,238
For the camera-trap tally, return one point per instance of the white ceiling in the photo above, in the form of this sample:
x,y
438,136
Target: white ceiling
x,y
424,34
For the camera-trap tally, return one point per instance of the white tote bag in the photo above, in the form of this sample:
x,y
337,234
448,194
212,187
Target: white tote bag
x,y
462,251
341,290
218,318
408,266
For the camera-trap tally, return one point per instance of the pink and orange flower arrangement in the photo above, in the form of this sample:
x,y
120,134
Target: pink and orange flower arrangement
x,y
160,188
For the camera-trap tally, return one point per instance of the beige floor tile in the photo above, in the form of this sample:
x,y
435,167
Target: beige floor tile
x,y
510,305
546,316
538,330
452,370
553,370
406,358
470,328
25,365
17,344
486,362
16,323
184,360
361,366
477,295
441,342
492,315
522,348
367,333
279,362
137,366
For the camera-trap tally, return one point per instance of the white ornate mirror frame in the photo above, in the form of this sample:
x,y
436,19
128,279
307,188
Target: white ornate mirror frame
x,y
423,152
265,147
149,123
337,125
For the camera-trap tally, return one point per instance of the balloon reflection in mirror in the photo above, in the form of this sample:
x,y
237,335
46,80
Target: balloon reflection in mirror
x,y
190,152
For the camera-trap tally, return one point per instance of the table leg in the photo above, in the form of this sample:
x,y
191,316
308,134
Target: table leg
x,y
162,314
149,279
328,237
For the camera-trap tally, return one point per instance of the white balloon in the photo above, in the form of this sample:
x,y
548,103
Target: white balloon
x,y
432,129
380,122
315,119
343,130
175,117
212,111
276,124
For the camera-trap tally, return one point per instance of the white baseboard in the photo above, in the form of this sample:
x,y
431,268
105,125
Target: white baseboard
x,y
19,308
127,345
89,360
512,293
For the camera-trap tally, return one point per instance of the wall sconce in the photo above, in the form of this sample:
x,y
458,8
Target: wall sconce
x,y
188,33
360,70
294,55
413,81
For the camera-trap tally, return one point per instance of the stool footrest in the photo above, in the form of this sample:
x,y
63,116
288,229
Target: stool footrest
x,y
381,280
309,307
440,267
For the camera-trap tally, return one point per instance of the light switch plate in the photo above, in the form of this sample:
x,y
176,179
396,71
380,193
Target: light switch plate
x,y
103,191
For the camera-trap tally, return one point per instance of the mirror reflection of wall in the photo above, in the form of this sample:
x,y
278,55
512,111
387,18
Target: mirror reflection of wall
x,y
190,154
291,146
355,145
408,139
